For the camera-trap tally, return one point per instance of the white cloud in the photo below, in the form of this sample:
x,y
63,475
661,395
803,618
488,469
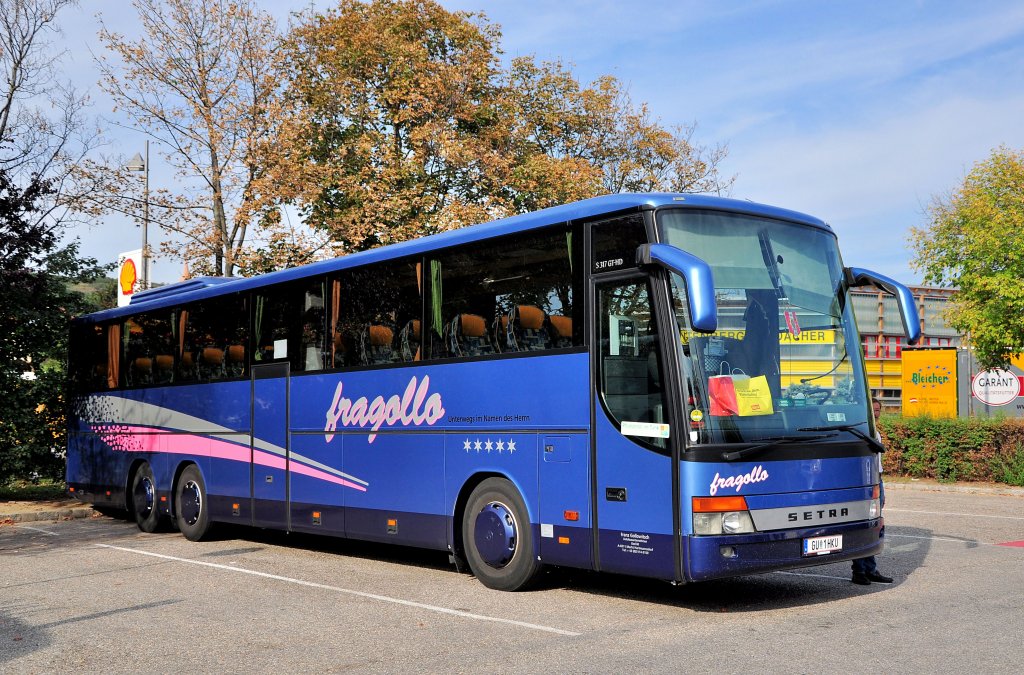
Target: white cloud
x,y
872,180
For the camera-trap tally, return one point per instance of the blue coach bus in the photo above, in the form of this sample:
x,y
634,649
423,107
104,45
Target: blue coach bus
x,y
619,384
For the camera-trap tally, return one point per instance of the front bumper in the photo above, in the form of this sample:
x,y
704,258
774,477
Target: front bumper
x,y
779,550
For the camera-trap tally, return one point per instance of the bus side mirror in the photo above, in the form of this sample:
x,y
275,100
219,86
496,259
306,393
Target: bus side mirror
x,y
700,286
857,276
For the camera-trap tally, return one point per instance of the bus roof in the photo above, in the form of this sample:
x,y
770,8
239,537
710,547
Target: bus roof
x,y
206,287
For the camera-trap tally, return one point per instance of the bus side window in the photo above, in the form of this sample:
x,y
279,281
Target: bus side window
x,y
312,345
88,358
147,349
614,243
630,365
510,295
211,338
375,315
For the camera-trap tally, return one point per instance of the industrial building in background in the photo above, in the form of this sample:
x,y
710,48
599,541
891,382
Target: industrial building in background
x,y
940,376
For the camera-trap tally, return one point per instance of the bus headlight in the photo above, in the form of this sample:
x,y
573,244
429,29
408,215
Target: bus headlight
x,y
707,523
721,515
729,522
737,522
874,509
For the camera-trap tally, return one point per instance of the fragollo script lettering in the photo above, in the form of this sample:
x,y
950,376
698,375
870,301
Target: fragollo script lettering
x,y
414,407
755,475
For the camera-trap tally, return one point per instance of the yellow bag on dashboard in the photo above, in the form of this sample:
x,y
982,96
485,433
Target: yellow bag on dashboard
x,y
753,396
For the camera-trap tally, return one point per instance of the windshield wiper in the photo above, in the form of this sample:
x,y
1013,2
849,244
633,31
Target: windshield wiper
x,y
781,440
852,428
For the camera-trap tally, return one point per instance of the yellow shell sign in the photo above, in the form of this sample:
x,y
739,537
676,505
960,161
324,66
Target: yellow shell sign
x,y
128,277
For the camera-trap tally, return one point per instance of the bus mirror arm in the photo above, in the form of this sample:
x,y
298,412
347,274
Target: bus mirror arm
x,y
857,276
700,284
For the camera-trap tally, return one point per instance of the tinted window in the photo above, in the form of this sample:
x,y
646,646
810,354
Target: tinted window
x,y
147,349
289,324
88,363
211,339
514,294
614,243
313,325
376,315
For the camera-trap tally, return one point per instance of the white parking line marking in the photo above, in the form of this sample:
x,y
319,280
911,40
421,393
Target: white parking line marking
x,y
371,596
36,529
819,576
951,513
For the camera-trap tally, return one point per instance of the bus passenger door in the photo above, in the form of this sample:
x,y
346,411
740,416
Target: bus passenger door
x,y
269,445
631,431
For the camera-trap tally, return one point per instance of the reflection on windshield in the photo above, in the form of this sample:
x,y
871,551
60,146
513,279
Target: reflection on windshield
x,y
778,364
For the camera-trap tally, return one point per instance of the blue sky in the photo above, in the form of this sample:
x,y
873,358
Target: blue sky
x,y
856,112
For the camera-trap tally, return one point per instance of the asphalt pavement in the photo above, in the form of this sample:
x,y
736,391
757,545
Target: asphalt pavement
x,y
97,594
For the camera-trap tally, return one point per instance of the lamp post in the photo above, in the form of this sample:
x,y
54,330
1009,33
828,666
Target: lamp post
x,y
138,163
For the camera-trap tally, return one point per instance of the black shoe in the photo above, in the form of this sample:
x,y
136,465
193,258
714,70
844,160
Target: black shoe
x,y
861,579
879,578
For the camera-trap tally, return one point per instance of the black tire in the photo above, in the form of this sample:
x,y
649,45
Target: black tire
x,y
191,505
498,538
145,507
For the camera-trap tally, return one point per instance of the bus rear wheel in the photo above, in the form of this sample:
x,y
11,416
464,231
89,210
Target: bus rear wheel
x,y
144,504
191,506
497,537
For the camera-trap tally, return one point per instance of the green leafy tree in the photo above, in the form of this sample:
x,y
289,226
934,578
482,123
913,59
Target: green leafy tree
x,y
36,305
975,243
44,137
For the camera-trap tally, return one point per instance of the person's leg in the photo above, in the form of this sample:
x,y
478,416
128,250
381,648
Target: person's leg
x,y
864,566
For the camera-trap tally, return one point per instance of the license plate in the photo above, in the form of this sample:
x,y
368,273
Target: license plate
x,y
823,545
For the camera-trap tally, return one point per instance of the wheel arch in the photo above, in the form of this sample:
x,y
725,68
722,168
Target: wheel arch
x,y
129,478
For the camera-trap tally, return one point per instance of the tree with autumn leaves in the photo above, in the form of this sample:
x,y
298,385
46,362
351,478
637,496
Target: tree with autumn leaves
x,y
372,123
203,82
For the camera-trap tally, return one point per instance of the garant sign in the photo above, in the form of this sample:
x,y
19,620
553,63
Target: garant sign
x,y
995,387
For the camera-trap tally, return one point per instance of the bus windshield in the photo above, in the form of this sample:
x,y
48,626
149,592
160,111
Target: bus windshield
x,y
784,363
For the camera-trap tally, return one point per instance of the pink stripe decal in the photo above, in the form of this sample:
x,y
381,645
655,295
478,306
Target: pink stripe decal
x,y
128,438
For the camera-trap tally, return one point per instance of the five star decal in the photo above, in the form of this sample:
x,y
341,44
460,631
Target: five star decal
x,y
487,445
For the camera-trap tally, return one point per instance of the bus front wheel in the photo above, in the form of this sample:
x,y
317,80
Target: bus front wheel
x,y
497,537
144,504
191,505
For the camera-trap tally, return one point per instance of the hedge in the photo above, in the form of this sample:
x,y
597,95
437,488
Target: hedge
x,y
948,450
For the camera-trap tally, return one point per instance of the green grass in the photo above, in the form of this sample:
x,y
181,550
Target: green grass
x,y
27,491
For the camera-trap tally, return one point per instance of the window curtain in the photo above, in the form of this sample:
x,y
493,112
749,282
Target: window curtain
x,y
435,296
113,355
